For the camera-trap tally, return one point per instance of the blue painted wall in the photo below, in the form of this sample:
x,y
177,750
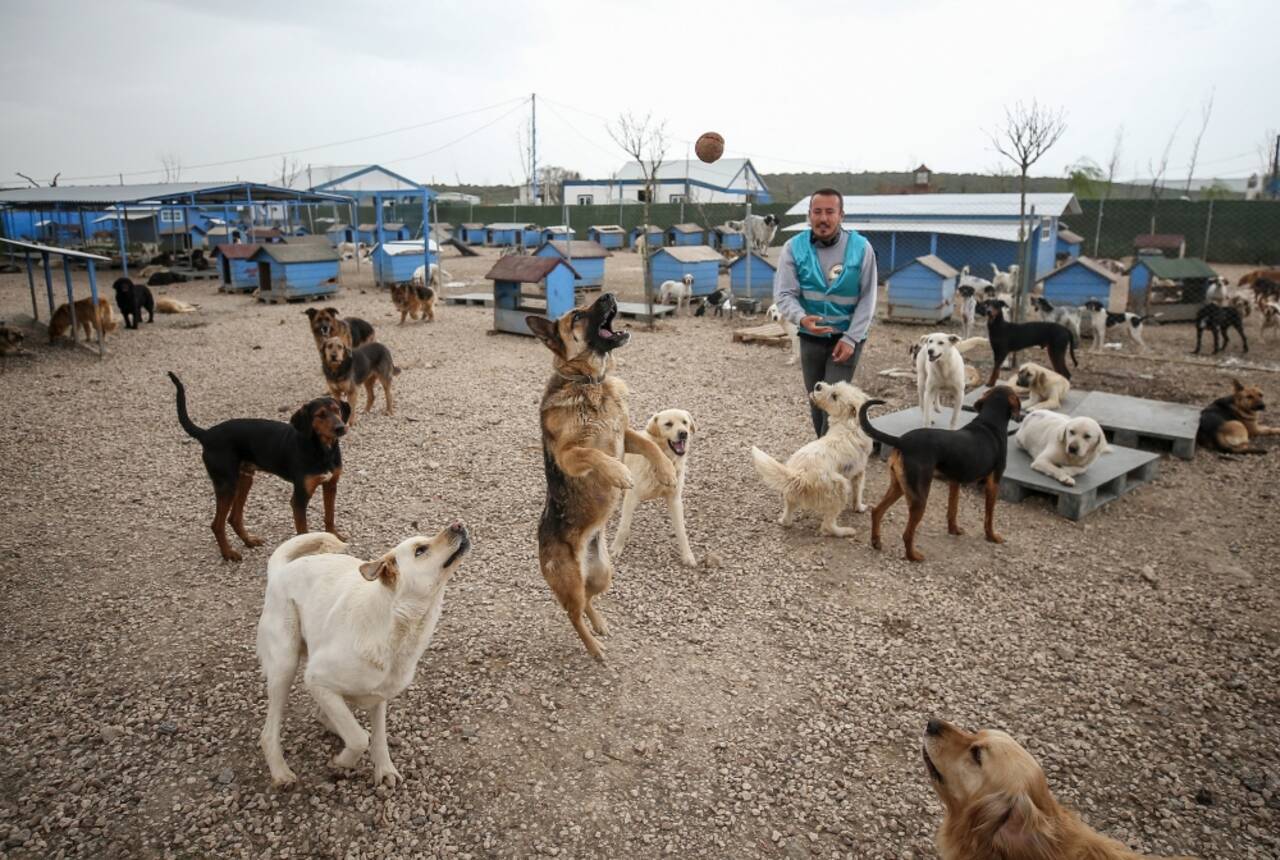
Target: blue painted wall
x,y
918,292
761,277
397,268
590,270
606,240
695,238
655,237
292,280
664,267
1076,285
1071,249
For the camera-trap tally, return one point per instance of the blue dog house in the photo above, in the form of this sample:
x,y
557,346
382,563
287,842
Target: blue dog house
x,y
553,276
1076,282
219,236
672,264
587,259
504,234
395,262
1190,276
762,272
559,233
922,290
339,233
238,272
685,234
1069,245
295,271
472,234
726,238
607,235
531,236
654,233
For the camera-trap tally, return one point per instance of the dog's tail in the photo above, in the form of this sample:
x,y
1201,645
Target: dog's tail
x,y
775,475
865,422
969,343
183,418
310,543
395,371
1071,342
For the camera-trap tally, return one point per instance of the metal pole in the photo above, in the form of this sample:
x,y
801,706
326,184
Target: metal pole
x,y
93,295
377,221
355,230
746,240
1208,224
48,281
533,145
31,282
71,300
121,231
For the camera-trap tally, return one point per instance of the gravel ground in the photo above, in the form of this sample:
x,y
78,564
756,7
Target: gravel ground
x,y
768,703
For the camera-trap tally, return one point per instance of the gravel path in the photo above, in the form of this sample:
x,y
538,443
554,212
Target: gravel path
x,y
768,703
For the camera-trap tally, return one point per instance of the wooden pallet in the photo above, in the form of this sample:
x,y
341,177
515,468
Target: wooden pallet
x,y
770,334
482,299
1110,477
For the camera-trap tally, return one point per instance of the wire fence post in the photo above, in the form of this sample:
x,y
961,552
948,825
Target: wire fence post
x,y
1208,225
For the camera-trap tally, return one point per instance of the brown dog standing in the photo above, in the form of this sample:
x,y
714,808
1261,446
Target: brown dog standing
x,y
326,323
412,300
585,433
85,318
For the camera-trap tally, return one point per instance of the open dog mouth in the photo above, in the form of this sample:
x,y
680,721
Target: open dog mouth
x,y
934,773
464,544
606,325
676,445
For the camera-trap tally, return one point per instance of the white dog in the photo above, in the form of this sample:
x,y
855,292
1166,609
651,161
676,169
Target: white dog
x,y
1059,446
670,430
1100,319
940,371
1004,282
789,329
676,292
362,626
436,281
827,475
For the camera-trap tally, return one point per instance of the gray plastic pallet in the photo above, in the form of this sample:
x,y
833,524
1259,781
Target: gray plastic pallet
x,y
898,423
1069,403
1139,423
484,299
1109,478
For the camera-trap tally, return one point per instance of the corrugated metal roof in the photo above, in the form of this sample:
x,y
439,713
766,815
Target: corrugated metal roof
x,y
392,225
1069,236
361,179
1176,270
950,205
407,246
158,192
579,249
686,228
738,261
1004,231
1170,241
471,225
607,228
725,228
692,253
235,252
337,228
132,216
526,270
305,253
267,232
936,264
49,249
1087,263
511,225
307,239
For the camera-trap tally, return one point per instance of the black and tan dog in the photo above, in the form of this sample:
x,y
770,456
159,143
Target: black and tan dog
x,y
346,369
1230,423
1219,319
304,452
1007,338
133,299
585,433
326,323
975,452
412,300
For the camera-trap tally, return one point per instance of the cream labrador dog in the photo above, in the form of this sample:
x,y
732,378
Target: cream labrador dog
x,y
362,626
1060,446
671,430
827,475
940,372
1046,387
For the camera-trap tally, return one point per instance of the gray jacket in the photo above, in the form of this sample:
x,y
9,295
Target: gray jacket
x,y
786,287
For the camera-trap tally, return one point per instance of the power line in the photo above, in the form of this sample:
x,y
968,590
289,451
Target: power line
x,y
471,133
313,148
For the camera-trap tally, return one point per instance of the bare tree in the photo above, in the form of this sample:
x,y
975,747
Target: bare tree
x,y
524,143
551,181
646,142
1113,164
1158,171
289,171
1205,111
171,166
1266,155
1027,134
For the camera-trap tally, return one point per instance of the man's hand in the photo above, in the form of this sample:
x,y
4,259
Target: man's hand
x,y
812,324
842,353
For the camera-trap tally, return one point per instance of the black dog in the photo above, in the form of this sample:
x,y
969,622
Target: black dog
x,y
1007,337
165,259
304,452
164,279
1218,319
199,261
133,299
976,452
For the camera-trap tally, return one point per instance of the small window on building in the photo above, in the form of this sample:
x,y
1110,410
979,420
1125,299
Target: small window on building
x,y
586,199
642,195
676,198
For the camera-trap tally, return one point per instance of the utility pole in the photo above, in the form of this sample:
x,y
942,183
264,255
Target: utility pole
x,y
1275,170
533,145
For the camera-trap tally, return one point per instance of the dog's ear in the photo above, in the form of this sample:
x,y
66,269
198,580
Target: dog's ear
x,y
311,313
1013,826
954,338
693,428
1236,386
1062,435
344,409
383,569
652,427
1015,405
333,311
301,420
546,331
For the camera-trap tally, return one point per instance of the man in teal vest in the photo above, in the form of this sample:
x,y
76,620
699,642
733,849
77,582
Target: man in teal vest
x,y
826,286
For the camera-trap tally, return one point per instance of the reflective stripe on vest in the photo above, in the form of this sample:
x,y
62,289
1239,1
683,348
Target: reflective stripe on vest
x,y
835,301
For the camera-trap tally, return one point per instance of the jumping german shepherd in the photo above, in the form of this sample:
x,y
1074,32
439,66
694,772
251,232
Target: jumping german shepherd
x,y
584,436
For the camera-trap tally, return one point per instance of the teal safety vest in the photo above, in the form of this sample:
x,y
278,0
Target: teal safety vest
x,y
834,301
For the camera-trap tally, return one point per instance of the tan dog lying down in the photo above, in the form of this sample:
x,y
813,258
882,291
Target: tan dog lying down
x,y
1047,387
361,625
827,475
998,805
670,430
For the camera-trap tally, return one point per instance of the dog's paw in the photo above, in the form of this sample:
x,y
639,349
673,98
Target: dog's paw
x,y
388,775
342,536
667,475
285,779
346,759
231,555
1067,481
689,560
861,509
994,538
253,540
621,477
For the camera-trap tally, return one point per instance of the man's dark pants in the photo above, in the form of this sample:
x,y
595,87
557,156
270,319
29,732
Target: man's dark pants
x,y
816,365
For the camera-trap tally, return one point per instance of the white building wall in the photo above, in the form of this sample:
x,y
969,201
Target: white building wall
x,y
603,193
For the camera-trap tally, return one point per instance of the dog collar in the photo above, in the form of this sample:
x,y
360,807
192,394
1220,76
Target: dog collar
x,y
585,380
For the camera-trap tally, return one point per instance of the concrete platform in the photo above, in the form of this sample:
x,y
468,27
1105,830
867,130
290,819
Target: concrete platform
x,y
1113,475
483,299
1139,423
898,423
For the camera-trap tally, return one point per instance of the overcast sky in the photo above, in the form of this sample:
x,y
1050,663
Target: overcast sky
x,y
93,89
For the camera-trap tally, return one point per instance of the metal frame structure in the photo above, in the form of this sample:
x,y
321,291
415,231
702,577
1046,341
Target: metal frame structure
x,y
45,251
